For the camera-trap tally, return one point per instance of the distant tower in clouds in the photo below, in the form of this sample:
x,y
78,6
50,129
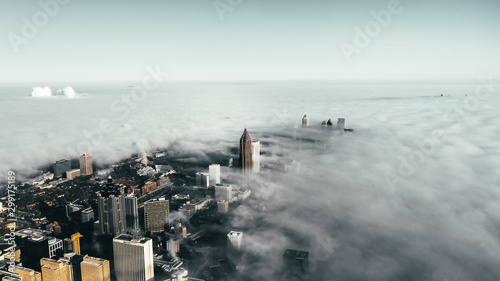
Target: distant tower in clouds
x,y
246,161
86,164
305,121
256,156
341,124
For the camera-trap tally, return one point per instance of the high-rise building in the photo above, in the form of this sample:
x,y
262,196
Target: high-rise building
x,y
53,270
75,261
87,215
341,124
131,212
71,208
305,121
133,258
214,172
202,179
71,174
111,205
234,240
27,274
296,260
86,164
223,192
95,269
222,206
246,162
256,156
35,244
156,214
72,244
61,167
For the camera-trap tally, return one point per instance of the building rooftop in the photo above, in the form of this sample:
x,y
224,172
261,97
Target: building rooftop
x,y
129,239
296,254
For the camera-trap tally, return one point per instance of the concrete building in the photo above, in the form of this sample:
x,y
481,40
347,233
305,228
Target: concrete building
x,y
305,121
87,215
133,258
341,124
156,213
234,240
72,244
111,204
95,269
28,274
61,167
296,260
86,165
214,174
223,192
71,208
53,270
223,206
256,156
202,179
71,174
131,212
36,244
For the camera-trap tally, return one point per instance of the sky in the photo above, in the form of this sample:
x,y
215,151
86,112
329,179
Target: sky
x,y
251,40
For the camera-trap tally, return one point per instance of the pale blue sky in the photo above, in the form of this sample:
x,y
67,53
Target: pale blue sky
x,y
104,40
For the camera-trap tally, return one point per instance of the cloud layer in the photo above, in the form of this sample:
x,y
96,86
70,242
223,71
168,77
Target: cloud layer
x,y
411,194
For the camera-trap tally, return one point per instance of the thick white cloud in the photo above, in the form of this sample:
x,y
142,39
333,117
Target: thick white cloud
x,y
40,92
437,219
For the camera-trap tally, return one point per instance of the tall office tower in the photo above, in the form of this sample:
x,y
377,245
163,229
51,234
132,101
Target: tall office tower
x,y
111,205
86,164
34,245
246,162
214,172
95,269
156,215
87,215
61,167
202,179
131,212
305,121
222,206
223,192
234,240
256,156
341,124
56,270
27,274
296,260
133,258
75,261
72,244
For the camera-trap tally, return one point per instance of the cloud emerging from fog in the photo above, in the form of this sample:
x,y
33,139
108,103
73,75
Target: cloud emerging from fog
x,y
43,92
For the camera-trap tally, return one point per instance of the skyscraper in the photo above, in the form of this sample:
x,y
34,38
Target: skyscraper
x,y
111,204
202,179
341,124
223,192
133,258
53,270
256,156
305,121
156,214
86,164
61,167
245,161
95,269
214,174
131,212
234,240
